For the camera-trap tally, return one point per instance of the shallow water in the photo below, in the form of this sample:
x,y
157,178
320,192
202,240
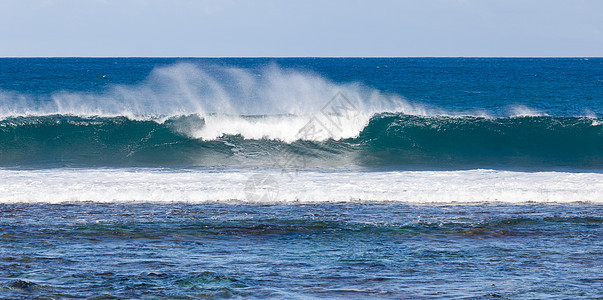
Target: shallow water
x,y
328,250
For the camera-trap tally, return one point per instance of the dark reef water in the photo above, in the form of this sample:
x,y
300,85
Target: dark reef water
x,y
297,251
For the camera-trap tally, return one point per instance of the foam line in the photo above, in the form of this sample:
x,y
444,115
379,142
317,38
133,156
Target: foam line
x,y
197,186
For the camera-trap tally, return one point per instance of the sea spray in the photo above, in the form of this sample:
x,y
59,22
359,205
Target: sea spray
x,y
186,89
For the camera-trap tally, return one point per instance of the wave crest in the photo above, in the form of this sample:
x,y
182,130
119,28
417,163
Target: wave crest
x,y
185,89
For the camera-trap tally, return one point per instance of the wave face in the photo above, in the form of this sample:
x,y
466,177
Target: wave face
x,y
388,140
521,142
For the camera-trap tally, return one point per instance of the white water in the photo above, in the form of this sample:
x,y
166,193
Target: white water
x,y
197,186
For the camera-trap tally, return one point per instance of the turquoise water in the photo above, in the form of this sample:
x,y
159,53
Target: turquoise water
x,y
392,178
391,141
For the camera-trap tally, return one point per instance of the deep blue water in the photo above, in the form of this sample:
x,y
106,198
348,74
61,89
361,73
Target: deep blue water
x,y
133,130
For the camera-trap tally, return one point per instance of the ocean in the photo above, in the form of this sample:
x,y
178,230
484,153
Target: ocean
x,y
301,178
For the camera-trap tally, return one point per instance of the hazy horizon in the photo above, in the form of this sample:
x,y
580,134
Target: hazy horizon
x,y
267,28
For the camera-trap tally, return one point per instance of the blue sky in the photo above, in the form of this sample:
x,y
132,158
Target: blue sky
x,y
301,28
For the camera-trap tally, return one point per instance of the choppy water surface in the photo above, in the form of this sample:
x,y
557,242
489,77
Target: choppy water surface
x,y
386,250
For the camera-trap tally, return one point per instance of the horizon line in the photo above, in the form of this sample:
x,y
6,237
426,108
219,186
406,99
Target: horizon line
x,y
175,56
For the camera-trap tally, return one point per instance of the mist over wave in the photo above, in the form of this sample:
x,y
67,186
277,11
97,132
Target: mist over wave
x,y
187,89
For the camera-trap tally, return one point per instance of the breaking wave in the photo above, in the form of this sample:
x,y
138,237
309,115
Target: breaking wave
x,y
185,115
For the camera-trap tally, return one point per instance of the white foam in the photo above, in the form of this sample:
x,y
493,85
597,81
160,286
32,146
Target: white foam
x,y
284,128
198,186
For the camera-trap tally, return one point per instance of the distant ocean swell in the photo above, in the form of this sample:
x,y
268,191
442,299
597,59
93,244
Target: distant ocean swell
x,y
390,140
